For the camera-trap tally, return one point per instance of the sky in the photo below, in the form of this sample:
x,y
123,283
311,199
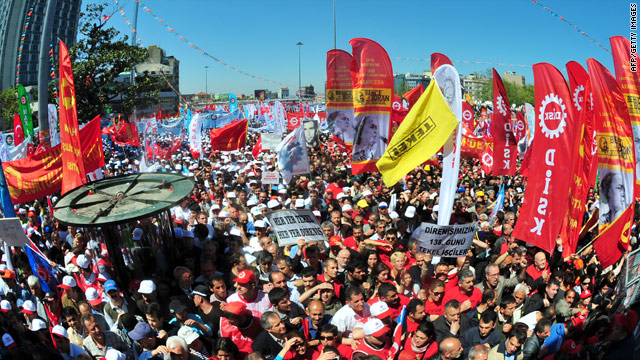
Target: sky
x,y
260,37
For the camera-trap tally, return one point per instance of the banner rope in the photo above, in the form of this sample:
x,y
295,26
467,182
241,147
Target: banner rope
x,y
23,37
464,62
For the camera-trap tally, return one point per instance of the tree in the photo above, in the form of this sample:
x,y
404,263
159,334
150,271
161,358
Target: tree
x,y
517,94
98,60
8,107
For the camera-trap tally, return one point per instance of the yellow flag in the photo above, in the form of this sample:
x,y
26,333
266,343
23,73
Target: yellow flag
x,y
422,133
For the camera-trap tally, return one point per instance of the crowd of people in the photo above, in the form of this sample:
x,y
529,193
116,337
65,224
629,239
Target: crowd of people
x,y
228,291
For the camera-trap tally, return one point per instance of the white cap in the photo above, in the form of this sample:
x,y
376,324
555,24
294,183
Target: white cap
x,y
259,224
5,306
393,215
91,294
223,215
251,202
256,211
38,324
188,334
346,207
59,330
410,212
235,232
299,203
231,195
137,233
379,309
29,307
272,204
317,213
69,281
366,193
373,327
341,195
147,287
7,340
113,354
215,207
383,204
83,262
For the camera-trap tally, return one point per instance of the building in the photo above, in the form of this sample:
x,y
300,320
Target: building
x,y
13,16
513,78
159,64
283,93
473,84
408,81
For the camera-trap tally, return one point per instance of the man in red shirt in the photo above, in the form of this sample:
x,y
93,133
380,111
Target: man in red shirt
x,y
375,341
331,275
388,293
238,324
468,295
415,315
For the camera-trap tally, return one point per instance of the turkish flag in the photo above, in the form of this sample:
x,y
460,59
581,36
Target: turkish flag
x,y
18,131
438,59
413,95
73,173
257,148
610,244
230,137
126,134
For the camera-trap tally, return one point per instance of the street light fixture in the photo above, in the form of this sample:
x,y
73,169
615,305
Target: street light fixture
x,y
299,70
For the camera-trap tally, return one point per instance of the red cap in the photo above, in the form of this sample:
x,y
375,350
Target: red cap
x,y
245,276
585,294
335,240
9,274
236,307
570,347
627,320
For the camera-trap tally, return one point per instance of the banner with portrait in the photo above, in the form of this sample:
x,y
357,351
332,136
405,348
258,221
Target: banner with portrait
x,y
310,132
292,155
372,79
339,97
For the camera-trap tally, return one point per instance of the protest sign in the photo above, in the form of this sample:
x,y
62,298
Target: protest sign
x,y
291,225
445,240
270,141
270,177
11,232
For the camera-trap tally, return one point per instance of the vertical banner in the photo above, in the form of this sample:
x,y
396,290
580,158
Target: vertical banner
x,y
449,81
195,135
25,111
398,113
279,117
372,78
468,119
630,84
339,97
73,174
18,130
581,103
438,59
616,155
545,199
504,143
233,102
292,155
52,116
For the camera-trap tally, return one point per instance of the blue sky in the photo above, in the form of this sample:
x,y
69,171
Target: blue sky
x,y
260,37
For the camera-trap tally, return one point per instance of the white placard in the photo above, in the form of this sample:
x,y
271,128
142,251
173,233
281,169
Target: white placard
x,y
270,141
12,233
291,225
445,240
270,177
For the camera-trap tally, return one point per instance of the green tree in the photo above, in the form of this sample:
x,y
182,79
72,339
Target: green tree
x,y
98,59
517,95
8,107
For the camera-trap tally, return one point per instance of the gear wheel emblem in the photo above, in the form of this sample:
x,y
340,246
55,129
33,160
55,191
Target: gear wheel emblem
x,y
560,116
576,97
487,159
501,105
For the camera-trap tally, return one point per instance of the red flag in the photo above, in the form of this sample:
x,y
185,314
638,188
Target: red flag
x,y
159,115
73,174
504,145
372,78
629,80
231,137
126,134
545,199
18,131
486,161
398,113
468,120
616,155
413,95
257,148
612,242
519,127
340,96
472,146
438,59
294,120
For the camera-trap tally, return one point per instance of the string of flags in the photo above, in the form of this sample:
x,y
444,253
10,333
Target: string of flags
x,y
464,62
562,18
23,37
195,47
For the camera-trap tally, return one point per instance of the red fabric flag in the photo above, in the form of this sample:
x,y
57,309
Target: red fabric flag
x,y
413,95
486,162
545,199
40,175
159,115
438,59
18,131
340,96
629,79
504,145
294,120
611,244
472,146
126,134
616,155
398,113
468,119
372,79
519,127
257,148
73,173
231,137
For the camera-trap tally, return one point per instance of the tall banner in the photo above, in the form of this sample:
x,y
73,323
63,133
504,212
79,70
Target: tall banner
x,y
422,133
616,154
233,102
40,175
372,78
339,96
292,155
52,116
73,172
398,113
583,111
449,81
195,135
18,130
545,199
486,159
231,137
438,59
504,144
279,116
468,119
24,108
630,84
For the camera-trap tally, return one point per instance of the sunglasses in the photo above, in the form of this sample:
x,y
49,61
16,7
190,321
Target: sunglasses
x,y
438,293
327,337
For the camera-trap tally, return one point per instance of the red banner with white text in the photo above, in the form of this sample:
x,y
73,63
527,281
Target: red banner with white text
x,y
505,151
552,152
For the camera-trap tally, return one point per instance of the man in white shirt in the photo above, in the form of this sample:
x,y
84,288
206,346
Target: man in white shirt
x,y
348,316
257,302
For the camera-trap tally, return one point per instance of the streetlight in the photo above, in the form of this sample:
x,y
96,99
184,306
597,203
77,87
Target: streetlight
x,y
299,70
334,24
206,79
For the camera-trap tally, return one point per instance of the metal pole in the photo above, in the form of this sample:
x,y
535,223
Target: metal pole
x,y
132,80
206,79
299,70
334,24
43,72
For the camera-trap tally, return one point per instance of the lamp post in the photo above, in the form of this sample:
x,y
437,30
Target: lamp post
x,y
206,79
334,24
299,70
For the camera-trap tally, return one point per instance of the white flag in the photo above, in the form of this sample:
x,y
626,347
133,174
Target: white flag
x,y
292,155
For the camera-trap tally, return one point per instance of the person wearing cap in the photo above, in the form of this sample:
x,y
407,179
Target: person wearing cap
x,y
209,313
72,294
98,340
239,324
146,339
67,349
87,278
182,317
11,285
40,329
348,316
375,342
117,303
247,292
196,344
148,294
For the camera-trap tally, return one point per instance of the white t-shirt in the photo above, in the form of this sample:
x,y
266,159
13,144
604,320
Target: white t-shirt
x,y
257,306
346,319
530,320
